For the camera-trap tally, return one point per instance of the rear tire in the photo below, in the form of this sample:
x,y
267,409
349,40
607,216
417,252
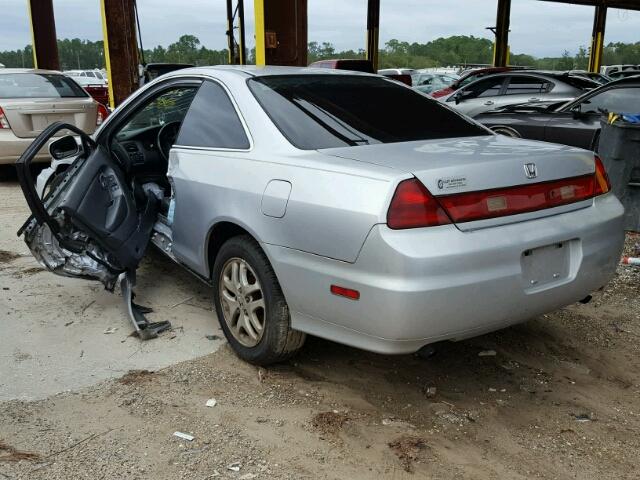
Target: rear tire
x,y
242,277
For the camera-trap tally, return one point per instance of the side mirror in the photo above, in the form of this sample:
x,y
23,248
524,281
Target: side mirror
x,y
461,95
64,147
577,112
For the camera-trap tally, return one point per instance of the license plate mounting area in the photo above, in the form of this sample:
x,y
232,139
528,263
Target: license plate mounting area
x,y
547,266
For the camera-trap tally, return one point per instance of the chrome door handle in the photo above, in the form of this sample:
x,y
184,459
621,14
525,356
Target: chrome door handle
x,y
488,102
534,99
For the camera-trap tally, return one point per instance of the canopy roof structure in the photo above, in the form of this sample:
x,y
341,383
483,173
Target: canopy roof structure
x,y
281,35
623,4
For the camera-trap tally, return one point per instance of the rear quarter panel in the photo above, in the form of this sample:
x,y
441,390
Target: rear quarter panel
x,y
330,210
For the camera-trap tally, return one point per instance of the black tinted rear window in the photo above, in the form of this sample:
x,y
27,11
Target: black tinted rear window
x,y
325,111
38,85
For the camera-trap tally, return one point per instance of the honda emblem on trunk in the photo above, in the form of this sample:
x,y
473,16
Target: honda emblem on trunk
x,y
530,170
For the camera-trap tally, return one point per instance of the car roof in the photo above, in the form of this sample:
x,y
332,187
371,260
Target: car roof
x,y
264,71
27,70
475,71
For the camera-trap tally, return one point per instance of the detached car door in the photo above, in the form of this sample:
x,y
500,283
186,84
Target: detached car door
x,y
92,224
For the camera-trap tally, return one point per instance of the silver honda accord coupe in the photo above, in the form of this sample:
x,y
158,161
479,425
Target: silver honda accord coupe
x,y
337,204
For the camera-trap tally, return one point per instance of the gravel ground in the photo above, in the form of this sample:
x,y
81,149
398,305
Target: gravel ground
x,y
555,398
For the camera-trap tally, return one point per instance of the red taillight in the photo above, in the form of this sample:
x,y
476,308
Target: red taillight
x,y
4,123
345,292
101,115
442,93
467,207
413,206
603,185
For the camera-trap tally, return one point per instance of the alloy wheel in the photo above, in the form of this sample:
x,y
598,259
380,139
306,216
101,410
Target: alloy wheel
x,y
242,301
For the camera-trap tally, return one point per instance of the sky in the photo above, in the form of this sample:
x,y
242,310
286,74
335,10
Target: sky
x,y
537,28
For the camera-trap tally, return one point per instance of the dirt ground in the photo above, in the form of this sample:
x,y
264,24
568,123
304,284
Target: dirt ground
x,y
555,398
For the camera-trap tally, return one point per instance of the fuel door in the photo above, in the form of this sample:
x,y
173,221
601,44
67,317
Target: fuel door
x,y
275,198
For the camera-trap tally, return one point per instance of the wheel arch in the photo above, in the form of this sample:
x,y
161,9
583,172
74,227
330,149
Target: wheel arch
x,y
218,234
499,129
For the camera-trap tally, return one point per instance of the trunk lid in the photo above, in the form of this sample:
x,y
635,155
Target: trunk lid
x,y
471,164
29,117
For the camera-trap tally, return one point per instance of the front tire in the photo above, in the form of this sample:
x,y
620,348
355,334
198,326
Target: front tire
x,y
251,308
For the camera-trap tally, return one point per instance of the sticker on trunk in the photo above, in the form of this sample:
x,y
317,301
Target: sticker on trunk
x,y
452,182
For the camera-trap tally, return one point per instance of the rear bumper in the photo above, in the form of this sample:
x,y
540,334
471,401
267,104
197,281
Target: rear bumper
x,y
11,147
425,285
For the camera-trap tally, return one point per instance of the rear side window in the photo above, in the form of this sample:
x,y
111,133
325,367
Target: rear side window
x,y
522,85
489,87
38,85
325,111
212,121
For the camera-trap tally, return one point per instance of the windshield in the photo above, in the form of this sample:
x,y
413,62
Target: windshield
x,y
38,85
325,111
619,100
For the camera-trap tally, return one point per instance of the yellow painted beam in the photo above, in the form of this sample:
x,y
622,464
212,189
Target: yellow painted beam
x,y
261,54
107,58
501,44
33,37
597,39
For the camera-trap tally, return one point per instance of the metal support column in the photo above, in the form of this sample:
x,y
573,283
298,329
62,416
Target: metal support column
x,y
120,48
243,45
237,51
597,38
281,32
43,34
231,41
261,53
373,32
501,45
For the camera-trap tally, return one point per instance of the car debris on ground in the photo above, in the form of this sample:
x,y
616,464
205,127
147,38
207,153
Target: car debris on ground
x,y
184,436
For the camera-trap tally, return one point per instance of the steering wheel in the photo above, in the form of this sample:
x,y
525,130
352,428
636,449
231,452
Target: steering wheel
x,y
166,138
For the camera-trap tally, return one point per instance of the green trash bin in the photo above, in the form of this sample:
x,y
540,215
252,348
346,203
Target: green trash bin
x,y
619,149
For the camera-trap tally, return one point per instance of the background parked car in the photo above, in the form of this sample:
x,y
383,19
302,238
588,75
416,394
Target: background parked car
x,y
30,100
625,74
396,71
151,71
511,88
430,82
98,90
96,75
575,123
597,77
353,64
609,69
469,76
